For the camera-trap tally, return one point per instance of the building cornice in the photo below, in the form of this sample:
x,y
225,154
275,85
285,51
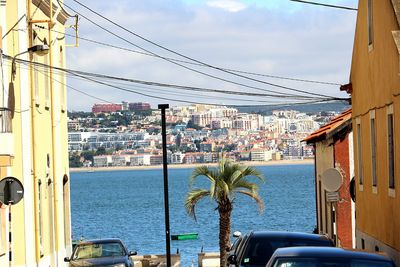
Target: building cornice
x,y
44,6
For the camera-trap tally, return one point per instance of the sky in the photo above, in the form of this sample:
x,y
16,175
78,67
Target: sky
x,y
265,37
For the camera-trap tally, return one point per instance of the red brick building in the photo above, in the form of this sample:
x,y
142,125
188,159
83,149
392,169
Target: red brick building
x,y
139,106
106,108
333,146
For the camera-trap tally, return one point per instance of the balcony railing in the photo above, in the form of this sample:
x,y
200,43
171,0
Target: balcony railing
x,y
5,120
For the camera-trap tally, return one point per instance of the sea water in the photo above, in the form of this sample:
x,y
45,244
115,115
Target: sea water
x,y
130,205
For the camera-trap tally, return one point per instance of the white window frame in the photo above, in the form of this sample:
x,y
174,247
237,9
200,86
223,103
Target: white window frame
x,y
36,82
62,85
46,80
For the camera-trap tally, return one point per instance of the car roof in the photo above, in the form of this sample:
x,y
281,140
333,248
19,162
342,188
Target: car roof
x,y
287,235
100,241
326,252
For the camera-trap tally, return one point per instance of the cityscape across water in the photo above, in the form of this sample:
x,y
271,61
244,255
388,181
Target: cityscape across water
x,y
130,205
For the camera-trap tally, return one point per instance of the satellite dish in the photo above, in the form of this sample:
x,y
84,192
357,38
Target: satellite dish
x,y
332,179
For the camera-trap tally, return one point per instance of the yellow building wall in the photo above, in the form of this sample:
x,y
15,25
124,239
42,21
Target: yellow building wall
x,y
376,85
49,219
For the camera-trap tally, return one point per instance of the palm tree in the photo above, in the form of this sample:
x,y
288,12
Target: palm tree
x,y
225,181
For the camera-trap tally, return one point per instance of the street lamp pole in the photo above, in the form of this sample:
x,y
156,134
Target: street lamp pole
x,y
163,107
36,49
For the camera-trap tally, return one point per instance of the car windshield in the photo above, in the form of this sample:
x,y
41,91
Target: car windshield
x,y
98,250
311,262
260,250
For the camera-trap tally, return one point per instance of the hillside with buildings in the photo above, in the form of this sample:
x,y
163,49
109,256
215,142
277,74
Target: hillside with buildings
x,y
129,134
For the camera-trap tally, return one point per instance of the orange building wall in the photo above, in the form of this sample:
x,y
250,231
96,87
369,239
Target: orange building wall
x,y
343,208
376,84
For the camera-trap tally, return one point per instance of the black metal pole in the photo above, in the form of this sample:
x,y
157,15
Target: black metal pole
x,y
163,107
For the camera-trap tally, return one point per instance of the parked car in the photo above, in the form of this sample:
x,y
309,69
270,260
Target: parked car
x,y
257,247
101,252
322,257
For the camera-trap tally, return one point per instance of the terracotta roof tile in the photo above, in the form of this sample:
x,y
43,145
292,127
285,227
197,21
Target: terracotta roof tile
x,y
329,127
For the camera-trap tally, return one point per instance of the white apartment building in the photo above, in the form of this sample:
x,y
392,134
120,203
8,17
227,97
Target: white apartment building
x,y
221,123
140,160
120,160
102,161
260,155
177,158
206,116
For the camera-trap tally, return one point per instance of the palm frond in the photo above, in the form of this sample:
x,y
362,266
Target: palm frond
x,y
193,198
249,172
254,196
244,184
201,171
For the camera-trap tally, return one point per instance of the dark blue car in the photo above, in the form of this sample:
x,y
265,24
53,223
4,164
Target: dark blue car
x,y
101,252
327,257
256,248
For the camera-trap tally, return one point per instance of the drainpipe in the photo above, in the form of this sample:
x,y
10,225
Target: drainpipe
x,y
53,138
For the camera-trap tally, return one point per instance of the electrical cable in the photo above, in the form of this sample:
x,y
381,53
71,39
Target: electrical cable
x,y
151,89
192,63
191,69
197,102
192,59
16,24
82,73
324,5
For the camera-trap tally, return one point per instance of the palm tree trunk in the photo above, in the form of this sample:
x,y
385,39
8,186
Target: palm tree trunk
x,y
225,212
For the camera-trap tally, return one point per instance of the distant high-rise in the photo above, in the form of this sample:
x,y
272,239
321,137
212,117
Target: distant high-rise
x,y
139,106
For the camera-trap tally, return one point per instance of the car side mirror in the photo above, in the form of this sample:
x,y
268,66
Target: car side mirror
x,y
67,259
132,253
232,259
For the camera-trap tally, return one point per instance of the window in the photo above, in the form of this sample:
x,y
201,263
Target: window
x,y
62,91
67,219
373,149
359,154
390,137
370,25
46,82
40,206
36,77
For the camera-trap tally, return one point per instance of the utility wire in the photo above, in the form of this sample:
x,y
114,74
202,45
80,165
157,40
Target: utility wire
x,y
150,89
16,24
101,76
72,88
187,101
192,63
179,54
119,88
325,5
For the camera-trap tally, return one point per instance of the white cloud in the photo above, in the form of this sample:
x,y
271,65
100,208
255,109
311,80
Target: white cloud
x,y
311,43
228,5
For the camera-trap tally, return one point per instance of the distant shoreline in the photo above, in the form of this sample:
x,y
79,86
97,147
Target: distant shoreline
x,y
186,166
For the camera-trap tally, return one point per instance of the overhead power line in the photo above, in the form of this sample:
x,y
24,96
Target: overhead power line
x,y
325,5
186,57
39,65
176,86
192,63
